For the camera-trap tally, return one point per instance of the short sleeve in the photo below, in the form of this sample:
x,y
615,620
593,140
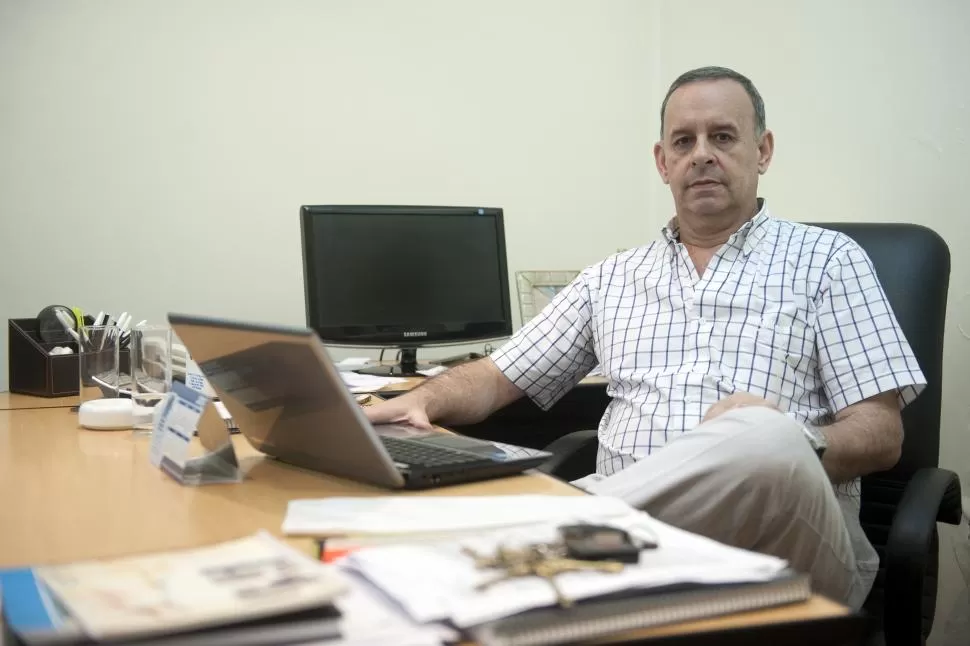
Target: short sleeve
x,y
862,351
551,353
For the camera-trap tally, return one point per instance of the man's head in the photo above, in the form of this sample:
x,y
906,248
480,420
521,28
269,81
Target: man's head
x,y
713,143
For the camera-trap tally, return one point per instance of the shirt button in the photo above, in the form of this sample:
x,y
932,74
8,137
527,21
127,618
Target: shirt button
x,y
792,360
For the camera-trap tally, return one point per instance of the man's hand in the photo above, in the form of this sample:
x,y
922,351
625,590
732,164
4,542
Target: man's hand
x,y
399,411
737,400
462,395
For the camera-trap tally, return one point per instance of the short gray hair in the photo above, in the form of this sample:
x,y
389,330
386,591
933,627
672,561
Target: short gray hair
x,y
714,73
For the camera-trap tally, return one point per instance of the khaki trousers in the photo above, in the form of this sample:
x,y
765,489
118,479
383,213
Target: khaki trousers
x,y
748,478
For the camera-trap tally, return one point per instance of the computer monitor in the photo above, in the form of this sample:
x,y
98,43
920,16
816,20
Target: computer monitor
x,y
405,276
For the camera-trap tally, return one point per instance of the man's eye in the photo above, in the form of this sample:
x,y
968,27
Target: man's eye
x,y
723,138
681,142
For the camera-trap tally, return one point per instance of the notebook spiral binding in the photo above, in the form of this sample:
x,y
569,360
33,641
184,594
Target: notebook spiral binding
x,y
604,618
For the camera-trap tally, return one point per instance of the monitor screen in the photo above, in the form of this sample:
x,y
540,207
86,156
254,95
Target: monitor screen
x,y
405,275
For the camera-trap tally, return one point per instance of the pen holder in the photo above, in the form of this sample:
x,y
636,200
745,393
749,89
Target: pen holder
x,y
150,373
31,369
98,363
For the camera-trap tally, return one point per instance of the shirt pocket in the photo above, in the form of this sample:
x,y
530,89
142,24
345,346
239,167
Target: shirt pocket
x,y
774,356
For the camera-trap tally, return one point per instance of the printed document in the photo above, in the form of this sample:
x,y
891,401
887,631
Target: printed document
x,y
437,581
411,514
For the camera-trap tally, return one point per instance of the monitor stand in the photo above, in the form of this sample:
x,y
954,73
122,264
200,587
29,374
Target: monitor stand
x,y
407,367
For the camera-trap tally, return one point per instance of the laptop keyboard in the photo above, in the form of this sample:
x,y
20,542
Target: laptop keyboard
x,y
425,455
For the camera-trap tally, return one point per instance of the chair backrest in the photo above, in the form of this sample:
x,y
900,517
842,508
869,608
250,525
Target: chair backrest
x,y
913,266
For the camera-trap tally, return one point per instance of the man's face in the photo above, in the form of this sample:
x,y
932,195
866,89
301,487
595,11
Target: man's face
x,y
710,155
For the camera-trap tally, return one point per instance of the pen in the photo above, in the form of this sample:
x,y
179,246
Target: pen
x,y
126,333
74,335
79,315
98,322
105,333
119,323
123,324
68,325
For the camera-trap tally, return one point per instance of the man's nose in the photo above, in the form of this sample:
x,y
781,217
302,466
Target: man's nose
x,y
702,153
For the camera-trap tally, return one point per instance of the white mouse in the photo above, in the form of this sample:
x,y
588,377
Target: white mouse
x,y
111,414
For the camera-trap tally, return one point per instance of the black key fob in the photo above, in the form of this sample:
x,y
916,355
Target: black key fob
x,y
600,543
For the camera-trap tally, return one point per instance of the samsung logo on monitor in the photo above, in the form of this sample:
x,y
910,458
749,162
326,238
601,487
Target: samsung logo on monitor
x,y
414,334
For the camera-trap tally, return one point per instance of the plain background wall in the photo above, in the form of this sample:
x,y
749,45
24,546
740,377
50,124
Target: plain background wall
x,y
153,155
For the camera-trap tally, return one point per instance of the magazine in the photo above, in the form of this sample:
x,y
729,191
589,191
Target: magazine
x,y
241,580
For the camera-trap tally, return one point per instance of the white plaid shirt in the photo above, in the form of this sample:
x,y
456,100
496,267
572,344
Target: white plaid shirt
x,y
785,311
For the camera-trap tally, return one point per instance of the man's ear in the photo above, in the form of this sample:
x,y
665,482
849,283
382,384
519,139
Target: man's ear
x,y
661,158
765,151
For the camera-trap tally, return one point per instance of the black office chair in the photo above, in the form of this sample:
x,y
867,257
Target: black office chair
x,y
900,507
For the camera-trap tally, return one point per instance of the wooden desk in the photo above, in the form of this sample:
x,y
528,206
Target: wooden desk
x,y
75,494
72,494
13,401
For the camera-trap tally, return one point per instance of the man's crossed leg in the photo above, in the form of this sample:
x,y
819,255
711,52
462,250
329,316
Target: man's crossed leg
x,y
750,479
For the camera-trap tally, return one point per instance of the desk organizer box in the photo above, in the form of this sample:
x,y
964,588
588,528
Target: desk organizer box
x,y
33,371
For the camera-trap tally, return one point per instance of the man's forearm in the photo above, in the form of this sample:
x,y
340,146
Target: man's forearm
x,y
865,439
465,394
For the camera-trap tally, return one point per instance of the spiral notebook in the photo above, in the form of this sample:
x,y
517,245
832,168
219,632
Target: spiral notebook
x,y
606,616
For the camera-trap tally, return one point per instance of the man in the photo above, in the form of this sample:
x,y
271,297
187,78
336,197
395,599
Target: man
x,y
738,349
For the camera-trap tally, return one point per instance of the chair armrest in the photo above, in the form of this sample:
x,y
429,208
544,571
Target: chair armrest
x,y
574,455
931,495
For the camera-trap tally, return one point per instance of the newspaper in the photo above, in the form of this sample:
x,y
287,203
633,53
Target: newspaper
x,y
250,578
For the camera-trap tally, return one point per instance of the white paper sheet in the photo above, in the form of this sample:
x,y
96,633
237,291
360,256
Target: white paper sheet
x,y
222,410
353,363
358,383
371,618
402,515
436,582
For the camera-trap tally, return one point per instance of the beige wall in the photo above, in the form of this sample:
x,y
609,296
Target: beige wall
x,y
153,155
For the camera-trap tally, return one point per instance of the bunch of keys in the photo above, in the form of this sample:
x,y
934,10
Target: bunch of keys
x,y
583,547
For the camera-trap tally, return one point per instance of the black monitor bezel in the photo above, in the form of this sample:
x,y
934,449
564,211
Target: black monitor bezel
x,y
338,335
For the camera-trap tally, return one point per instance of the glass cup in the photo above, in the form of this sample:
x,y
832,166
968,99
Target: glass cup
x,y
150,370
97,362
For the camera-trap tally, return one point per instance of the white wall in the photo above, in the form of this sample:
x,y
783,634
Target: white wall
x,y
147,145
153,155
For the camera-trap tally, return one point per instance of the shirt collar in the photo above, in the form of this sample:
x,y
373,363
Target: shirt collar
x,y
747,237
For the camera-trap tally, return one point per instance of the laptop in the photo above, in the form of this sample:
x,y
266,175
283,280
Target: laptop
x,y
289,401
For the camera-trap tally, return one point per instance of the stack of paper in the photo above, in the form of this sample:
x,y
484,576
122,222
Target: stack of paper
x,y
437,582
242,591
396,515
242,580
371,619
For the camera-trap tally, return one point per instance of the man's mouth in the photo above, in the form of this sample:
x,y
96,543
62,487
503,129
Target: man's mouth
x,y
704,182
